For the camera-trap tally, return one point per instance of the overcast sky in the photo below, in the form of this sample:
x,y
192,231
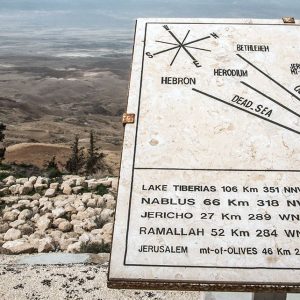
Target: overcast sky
x,y
120,14
94,27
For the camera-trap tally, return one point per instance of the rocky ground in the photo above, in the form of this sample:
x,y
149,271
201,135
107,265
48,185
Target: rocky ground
x,y
70,214
79,282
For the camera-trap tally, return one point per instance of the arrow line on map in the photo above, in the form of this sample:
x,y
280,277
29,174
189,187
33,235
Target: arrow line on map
x,y
268,97
265,74
249,112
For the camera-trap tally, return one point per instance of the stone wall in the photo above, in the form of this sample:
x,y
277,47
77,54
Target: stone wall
x,y
42,215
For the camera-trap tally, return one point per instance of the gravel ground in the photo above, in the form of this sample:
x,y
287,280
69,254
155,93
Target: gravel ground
x,y
78,281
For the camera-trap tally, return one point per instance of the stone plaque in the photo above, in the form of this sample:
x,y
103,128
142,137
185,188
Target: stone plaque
x,y
209,191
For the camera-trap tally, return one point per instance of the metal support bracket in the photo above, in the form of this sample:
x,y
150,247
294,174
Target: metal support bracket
x,y
128,118
288,20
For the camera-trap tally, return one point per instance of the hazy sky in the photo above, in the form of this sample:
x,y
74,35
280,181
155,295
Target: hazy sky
x,y
120,14
79,28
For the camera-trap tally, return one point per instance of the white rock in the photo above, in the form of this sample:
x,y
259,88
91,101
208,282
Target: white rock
x,y
56,235
110,201
92,185
42,180
90,212
96,239
14,189
56,222
9,179
111,204
36,236
35,217
65,226
108,197
46,207
97,211
43,200
67,177
58,212
78,203
106,182
34,203
32,179
76,222
64,243
11,215
70,182
77,189
21,180
100,202
108,228
80,181
67,190
89,225
43,223
46,245
25,214
25,203
107,215
28,184
12,234
80,208
18,206
19,246
50,193
78,228
60,203
54,186
86,197
114,182
81,215
12,199
92,203
4,227
84,238
10,182
35,210
74,248
97,231
16,223
107,233
25,190
40,187
70,208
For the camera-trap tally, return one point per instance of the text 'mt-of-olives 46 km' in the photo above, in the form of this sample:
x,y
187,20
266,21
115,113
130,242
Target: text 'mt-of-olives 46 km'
x,y
209,190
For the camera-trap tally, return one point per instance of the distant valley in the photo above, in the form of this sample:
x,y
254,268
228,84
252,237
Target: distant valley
x,y
48,96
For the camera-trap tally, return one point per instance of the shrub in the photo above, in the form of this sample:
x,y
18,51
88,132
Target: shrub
x,y
2,136
94,248
94,160
52,169
101,190
76,160
3,176
5,167
99,222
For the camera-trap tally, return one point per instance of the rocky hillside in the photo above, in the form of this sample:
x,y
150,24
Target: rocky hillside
x,y
73,214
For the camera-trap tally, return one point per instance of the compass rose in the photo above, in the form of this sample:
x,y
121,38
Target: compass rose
x,y
184,45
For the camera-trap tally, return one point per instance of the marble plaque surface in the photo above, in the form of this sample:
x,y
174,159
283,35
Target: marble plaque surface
x,y
209,190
